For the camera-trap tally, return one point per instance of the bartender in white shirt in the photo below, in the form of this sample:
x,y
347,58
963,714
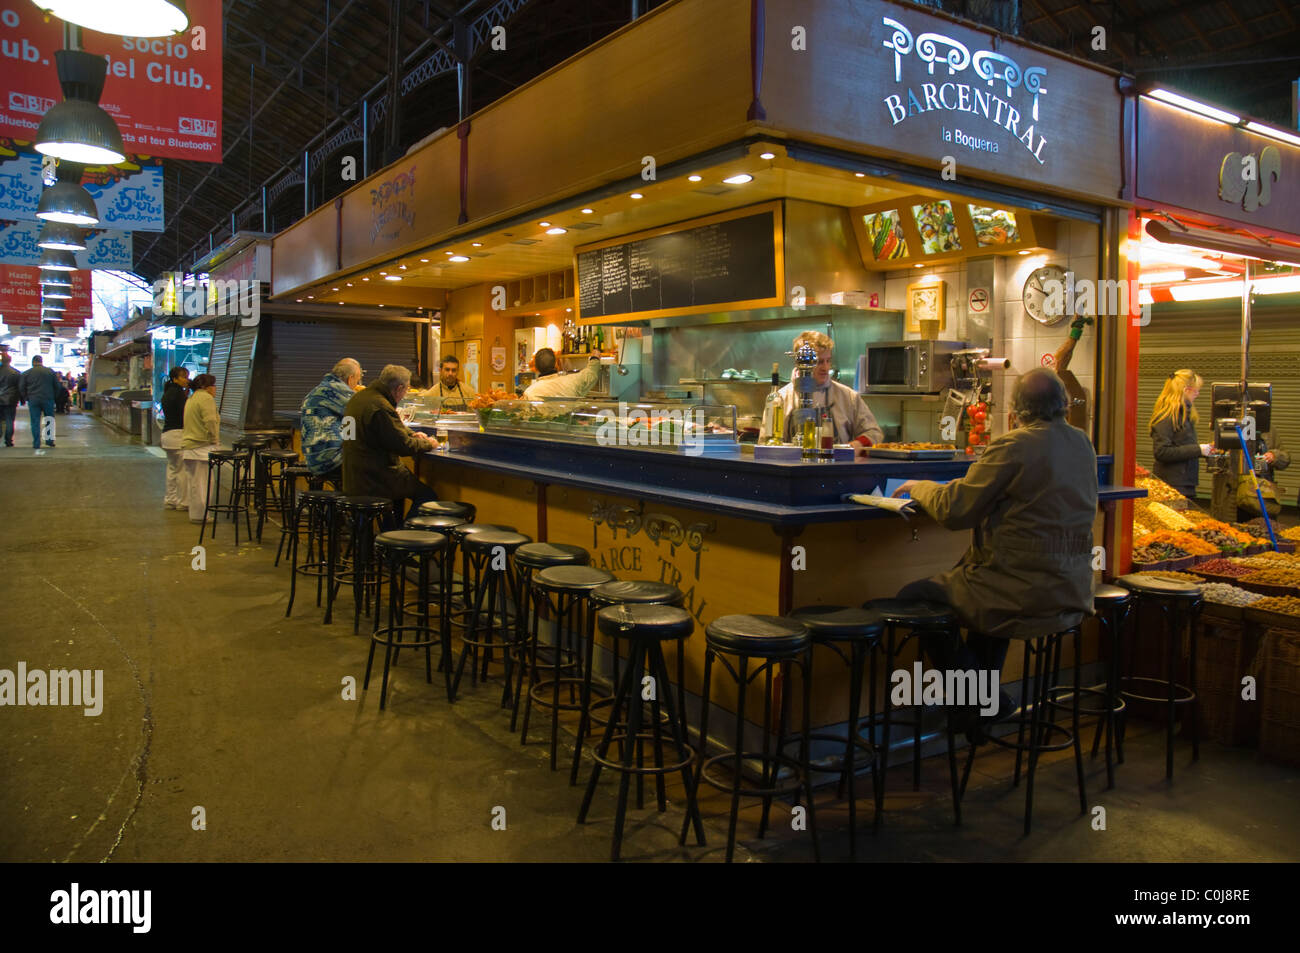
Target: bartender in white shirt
x,y
549,383
854,422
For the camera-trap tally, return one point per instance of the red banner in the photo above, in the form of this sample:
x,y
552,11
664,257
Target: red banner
x,y
20,297
165,92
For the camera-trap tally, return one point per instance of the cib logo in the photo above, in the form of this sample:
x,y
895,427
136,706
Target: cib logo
x,y
197,127
27,103
218,297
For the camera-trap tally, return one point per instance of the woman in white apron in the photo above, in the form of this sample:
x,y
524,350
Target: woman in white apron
x,y
175,393
202,433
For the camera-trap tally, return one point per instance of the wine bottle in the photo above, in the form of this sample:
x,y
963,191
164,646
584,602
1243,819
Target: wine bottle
x,y
774,410
827,428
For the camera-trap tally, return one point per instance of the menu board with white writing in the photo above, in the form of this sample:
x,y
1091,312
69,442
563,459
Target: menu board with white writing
x,y
706,266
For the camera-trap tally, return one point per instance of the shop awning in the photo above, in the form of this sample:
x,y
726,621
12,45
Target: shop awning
x,y
1238,243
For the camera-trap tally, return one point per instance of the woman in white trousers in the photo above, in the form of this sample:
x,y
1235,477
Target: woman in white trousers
x,y
202,434
175,394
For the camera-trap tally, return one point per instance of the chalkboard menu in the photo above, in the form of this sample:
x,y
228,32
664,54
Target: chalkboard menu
x,y
697,267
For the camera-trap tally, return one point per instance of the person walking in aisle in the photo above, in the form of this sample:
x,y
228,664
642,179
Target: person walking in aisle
x,y
9,381
36,387
202,433
176,393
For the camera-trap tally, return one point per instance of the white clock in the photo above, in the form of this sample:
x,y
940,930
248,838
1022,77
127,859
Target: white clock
x,y
1035,296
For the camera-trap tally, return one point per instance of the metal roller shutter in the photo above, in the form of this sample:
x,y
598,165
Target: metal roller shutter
x,y
1210,344
234,396
305,351
219,358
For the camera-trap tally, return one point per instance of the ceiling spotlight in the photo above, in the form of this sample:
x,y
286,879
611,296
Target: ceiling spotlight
x,y
58,261
767,155
310,297
79,131
694,178
349,284
544,224
588,211
860,175
383,272
556,230
477,244
67,203
740,179
59,236
458,258
1025,252
299,300
132,18
393,278
425,260
637,195
365,279
334,289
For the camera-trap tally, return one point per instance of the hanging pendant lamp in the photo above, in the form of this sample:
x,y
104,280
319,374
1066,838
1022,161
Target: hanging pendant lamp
x,y
58,261
122,17
77,129
59,236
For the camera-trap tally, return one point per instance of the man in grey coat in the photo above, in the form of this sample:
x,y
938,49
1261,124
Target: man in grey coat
x,y
36,386
9,380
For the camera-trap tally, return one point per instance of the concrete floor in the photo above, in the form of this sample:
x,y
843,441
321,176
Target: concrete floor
x,y
214,700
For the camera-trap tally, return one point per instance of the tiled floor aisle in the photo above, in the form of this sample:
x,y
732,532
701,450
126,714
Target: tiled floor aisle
x,y
213,699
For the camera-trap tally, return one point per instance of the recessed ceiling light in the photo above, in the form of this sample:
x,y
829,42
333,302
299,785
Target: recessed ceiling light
x,y
334,289
349,284
365,279
1025,252
383,272
340,302
740,179
381,306
694,178
403,267
544,224
568,309
588,211
556,230
476,244
311,296
637,195
299,300
425,260
860,175
918,266
767,155
458,258
393,278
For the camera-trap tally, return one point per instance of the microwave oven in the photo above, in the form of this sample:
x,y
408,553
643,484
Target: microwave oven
x,y
909,367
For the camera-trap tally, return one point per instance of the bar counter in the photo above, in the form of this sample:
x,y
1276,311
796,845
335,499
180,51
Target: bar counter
x,y
736,535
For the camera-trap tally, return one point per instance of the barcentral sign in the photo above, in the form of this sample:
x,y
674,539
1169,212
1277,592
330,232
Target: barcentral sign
x,y
1008,102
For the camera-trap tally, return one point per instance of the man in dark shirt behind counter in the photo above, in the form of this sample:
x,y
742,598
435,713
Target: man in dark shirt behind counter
x,y
371,461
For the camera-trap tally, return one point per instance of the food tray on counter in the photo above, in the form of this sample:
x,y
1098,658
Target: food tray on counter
x,y
912,454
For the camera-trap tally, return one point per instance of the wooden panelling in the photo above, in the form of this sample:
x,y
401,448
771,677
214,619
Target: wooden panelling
x,y
305,252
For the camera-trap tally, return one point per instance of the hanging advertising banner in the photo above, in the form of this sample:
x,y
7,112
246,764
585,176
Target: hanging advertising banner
x,y
104,249
129,197
20,296
164,93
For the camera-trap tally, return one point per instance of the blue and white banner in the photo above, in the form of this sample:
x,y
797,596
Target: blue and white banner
x,y
110,250
129,196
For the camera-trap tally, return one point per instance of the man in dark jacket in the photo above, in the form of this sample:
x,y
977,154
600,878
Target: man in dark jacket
x,y
371,464
37,388
9,380
175,393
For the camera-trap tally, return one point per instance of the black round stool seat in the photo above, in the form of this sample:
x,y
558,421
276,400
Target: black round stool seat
x,y
414,541
447,508
484,542
637,592
648,622
840,623
270,453
363,502
234,454
470,529
1108,596
543,555
251,443
1158,586
915,614
765,636
436,524
571,578
319,495
297,470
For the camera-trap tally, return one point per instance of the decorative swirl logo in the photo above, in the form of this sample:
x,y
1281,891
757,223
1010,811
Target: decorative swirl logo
x,y
657,526
926,48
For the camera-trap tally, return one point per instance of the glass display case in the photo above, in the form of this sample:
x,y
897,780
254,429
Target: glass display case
x,y
672,426
425,410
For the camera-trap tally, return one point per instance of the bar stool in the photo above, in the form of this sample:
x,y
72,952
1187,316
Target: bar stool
x,y
269,463
617,593
363,517
774,640
394,551
239,462
921,618
443,525
252,443
645,628
860,630
488,555
1043,655
562,591
1179,604
287,499
447,508
318,508
462,604
529,558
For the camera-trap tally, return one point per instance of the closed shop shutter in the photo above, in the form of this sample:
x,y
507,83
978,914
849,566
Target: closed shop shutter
x,y
305,351
234,395
219,359
1210,344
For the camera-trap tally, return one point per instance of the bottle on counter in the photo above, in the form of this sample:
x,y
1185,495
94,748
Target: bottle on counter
x,y
808,437
774,410
826,452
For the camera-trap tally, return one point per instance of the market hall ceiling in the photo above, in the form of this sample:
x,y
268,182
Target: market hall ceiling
x,y
296,72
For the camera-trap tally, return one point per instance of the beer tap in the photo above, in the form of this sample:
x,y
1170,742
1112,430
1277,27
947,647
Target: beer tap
x,y
804,425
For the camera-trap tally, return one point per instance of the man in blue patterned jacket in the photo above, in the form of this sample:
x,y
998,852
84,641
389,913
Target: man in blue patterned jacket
x,y
322,420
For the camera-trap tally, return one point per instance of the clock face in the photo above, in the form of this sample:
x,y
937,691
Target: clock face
x,y
1035,295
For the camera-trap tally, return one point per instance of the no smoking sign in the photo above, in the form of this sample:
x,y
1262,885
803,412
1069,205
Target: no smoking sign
x,y
979,300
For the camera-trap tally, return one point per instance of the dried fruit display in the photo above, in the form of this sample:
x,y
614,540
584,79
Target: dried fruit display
x,y
1156,553
1223,567
1269,561
1227,595
1189,544
1274,577
1167,518
1172,574
1286,605
1140,529
1292,534
1158,490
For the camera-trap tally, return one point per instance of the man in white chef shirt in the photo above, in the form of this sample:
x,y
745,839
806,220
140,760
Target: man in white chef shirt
x,y
853,419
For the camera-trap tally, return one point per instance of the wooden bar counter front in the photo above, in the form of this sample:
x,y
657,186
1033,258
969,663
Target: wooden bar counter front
x,y
734,535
